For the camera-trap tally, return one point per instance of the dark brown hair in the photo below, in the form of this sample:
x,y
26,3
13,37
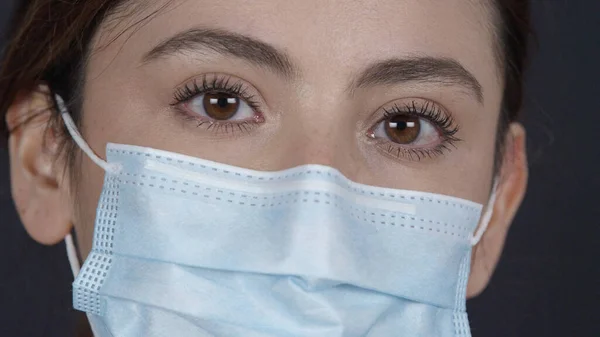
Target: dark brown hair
x,y
49,41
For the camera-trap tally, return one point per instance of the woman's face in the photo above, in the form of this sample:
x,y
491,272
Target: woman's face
x,y
315,80
396,93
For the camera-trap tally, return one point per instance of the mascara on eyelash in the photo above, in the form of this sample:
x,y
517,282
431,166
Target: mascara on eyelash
x,y
217,84
210,84
432,113
445,124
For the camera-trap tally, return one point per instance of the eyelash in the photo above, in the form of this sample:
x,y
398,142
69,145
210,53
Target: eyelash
x,y
221,84
218,83
444,123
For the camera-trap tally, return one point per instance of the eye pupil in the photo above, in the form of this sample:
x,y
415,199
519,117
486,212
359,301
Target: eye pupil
x,y
222,102
399,125
402,129
221,106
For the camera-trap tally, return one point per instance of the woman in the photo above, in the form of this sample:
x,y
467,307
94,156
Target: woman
x,y
270,168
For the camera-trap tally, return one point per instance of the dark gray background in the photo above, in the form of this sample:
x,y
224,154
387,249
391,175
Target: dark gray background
x,y
548,281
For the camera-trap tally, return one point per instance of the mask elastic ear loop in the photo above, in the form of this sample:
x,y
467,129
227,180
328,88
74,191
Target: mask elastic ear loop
x,y
70,124
72,255
487,216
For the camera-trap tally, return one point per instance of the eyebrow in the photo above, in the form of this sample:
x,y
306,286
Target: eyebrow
x,y
227,43
445,71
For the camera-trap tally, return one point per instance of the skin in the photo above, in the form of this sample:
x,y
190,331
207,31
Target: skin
x,y
309,117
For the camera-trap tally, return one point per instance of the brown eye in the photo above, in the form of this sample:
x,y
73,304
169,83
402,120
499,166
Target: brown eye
x,y
402,129
220,106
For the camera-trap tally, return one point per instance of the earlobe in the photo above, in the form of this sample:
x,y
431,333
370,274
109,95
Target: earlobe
x,y
510,192
39,187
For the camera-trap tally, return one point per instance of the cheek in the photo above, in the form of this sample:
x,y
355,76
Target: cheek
x,y
87,193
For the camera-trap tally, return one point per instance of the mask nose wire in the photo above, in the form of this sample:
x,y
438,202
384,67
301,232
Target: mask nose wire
x,y
83,145
487,216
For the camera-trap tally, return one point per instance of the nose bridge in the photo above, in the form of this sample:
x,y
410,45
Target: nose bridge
x,y
322,131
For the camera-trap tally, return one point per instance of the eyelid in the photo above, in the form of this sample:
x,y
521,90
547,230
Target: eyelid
x,y
416,102
247,91
426,109
197,86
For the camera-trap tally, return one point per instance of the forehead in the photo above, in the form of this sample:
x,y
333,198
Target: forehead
x,y
332,35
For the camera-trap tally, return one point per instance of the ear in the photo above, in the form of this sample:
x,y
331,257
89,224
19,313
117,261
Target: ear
x,y
510,192
39,187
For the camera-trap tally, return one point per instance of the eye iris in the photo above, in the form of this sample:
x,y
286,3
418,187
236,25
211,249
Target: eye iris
x,y
220,106
402,129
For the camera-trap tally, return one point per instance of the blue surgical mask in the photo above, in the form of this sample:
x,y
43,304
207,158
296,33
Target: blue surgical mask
x,y
189,247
